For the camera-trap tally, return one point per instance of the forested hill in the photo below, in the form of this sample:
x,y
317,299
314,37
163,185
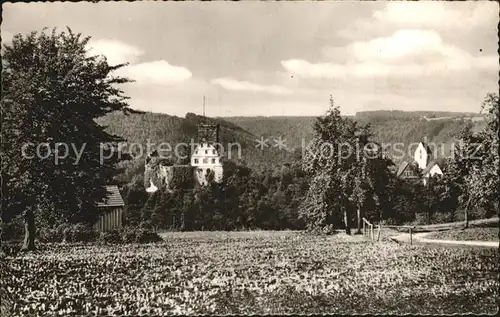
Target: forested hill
x,y
387,126
160,128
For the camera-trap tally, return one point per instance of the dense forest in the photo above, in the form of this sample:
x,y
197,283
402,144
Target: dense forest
x,y
268,189
389,127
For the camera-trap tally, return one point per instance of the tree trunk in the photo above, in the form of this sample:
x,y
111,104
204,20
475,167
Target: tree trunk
x,y
359,220
466,215
346,222
29,230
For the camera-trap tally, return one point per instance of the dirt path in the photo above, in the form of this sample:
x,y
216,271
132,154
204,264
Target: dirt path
x,y
419,238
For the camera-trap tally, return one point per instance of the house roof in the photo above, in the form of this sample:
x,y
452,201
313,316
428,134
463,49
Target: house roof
x,y
113,199
402,168
428,167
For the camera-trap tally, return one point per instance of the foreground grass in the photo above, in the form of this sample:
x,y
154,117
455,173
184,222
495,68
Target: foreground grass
x,y
471,234
267,273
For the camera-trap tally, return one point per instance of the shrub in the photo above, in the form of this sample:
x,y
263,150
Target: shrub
x,y
49,235
147,236
68,233
110,237
12,230
139,235
442,218
82,233
128,235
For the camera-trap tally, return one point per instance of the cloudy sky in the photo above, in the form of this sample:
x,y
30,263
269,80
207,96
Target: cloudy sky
x,y
276,58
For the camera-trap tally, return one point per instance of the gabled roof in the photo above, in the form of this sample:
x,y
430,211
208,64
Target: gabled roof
x,y
402,168
428,168
113,199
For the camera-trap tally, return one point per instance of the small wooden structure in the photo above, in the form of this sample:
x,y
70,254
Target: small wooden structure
x,y
110,211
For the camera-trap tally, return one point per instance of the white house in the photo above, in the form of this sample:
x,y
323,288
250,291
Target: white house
x,y
423,162
431,170
422,155
206,159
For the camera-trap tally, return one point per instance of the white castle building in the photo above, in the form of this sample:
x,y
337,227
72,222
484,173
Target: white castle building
x,y
205,164
207,160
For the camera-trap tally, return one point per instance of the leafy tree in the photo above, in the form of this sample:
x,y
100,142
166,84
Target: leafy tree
x,y
328,161
52,92
472,171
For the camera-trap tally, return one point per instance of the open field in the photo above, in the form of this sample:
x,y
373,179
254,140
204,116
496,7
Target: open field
x,y
252,273
471,234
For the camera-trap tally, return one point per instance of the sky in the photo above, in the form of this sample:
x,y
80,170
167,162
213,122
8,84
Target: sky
x,y
285,58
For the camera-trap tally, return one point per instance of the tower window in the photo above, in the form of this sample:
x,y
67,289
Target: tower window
x,y
213,151
195,161
205,161
213,161
206,151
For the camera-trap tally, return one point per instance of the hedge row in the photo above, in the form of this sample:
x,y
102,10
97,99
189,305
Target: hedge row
x,y
86,234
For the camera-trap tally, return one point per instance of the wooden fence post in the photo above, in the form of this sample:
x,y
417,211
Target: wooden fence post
x,y
371,231
411,238
364,227
378,233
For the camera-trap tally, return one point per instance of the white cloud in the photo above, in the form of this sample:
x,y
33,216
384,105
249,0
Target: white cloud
x,y
408,52
438,14
233,84
402,43
116,52
156,72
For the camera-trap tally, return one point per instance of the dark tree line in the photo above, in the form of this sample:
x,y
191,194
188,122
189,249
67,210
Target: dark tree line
x,y
244,200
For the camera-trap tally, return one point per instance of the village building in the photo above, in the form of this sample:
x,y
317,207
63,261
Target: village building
x,y
205,164
424,166
206,157
110,210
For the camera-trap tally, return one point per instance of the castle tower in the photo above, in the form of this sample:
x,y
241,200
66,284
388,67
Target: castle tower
x,y
206,158
208,133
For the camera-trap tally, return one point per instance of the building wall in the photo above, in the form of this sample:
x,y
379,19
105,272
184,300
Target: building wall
x,y
435,170
421,156
110,218
204,158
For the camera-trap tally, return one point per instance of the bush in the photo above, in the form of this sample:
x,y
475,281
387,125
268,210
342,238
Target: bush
x,y
53,235
110,237
129,235
12,230
421,219
139,235
442,218
68,233
147,236
82,233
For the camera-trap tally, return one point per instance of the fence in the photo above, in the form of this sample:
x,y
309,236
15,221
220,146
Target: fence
x,y
369,230
390,231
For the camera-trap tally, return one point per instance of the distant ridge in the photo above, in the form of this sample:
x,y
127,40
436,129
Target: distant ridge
x,y
388,127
